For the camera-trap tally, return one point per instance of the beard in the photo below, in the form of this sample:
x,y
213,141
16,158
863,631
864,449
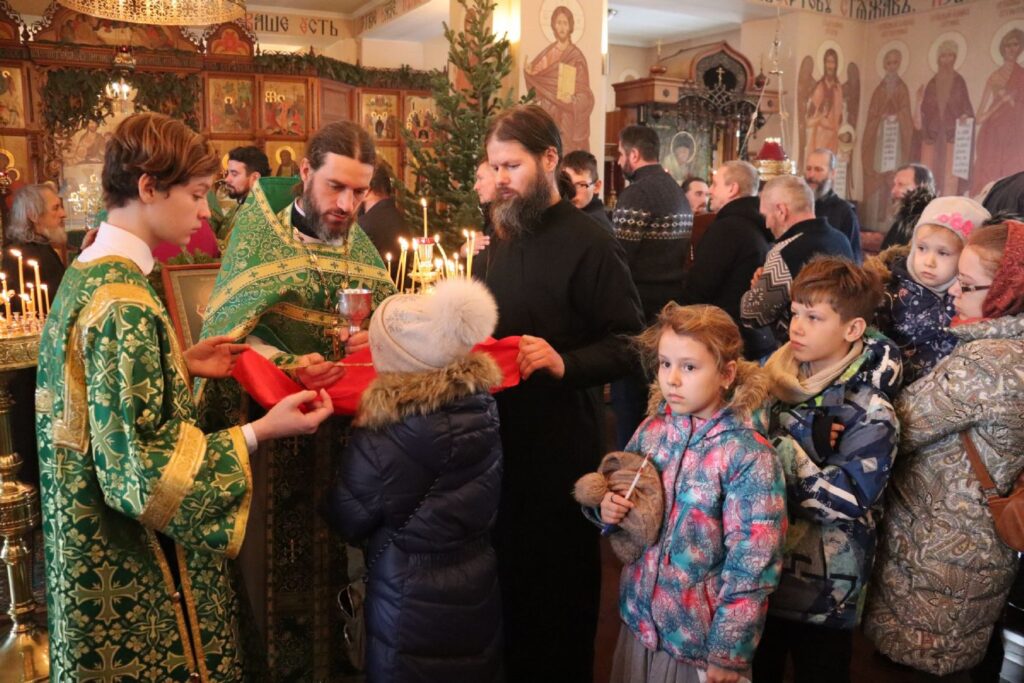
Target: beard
x,y
821,189
518,215
235,194
628,172
330,232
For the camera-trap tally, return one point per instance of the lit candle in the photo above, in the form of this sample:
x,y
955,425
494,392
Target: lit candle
x,y
46,298
21,271
26,304
470,248
423,203
387,257
38,302
415,264
444,256
400,271
31,297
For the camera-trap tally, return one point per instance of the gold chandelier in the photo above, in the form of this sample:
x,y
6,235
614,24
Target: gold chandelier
x,y
161,12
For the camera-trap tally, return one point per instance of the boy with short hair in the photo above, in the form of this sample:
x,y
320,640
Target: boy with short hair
x,y
835,432
141,509
581,167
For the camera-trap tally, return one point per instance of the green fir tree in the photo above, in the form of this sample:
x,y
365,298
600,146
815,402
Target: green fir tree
x,y
445,168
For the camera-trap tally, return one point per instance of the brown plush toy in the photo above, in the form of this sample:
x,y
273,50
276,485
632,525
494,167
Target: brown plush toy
x,y
641,526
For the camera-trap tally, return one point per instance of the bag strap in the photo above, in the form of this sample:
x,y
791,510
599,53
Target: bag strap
x,y
988,487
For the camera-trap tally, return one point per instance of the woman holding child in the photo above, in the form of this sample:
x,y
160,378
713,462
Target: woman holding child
x,y
942,574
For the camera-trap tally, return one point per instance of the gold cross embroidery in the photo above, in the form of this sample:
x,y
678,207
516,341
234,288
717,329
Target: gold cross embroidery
x,y
107,672
106,593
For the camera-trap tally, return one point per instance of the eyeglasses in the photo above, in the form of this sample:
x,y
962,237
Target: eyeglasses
x,y
582,185
967,289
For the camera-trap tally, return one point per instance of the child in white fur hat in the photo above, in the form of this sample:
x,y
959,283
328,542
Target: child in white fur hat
x,y
419,484
917,308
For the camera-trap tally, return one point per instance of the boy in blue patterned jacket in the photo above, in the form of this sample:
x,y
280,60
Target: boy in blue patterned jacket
x,y
835,433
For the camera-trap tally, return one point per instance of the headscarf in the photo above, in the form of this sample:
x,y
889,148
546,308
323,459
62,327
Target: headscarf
x,y
1006,295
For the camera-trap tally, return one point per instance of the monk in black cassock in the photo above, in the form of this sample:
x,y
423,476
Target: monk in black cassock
x,y
562,282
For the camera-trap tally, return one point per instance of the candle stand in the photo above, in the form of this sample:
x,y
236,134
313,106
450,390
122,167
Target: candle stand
x,y
25,653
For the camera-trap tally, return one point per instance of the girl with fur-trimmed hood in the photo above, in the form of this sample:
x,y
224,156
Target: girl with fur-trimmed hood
x,y
420,483
695,600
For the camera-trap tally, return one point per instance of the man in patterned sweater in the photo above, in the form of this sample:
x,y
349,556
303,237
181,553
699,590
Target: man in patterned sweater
x,y
787,205
652,222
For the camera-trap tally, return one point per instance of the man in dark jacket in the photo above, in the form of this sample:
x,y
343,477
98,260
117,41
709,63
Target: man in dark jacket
x,y
562,283
381,219
787,205
820,174
581,167
733,247
913,187
1006,196
653,222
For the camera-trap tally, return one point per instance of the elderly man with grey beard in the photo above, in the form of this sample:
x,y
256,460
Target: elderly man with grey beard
x,y
562,284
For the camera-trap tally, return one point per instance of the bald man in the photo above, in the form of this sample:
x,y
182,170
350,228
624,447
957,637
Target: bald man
x,y
787,204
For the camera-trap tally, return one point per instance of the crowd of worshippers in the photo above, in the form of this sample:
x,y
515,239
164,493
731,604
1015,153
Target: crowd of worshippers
x,y
800,437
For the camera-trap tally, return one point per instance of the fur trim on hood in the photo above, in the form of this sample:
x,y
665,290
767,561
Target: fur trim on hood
x,y
749,392
882,264
394,396
913,204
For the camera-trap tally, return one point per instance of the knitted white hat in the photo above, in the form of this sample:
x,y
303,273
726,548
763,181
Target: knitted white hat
x,y
961,215
422,332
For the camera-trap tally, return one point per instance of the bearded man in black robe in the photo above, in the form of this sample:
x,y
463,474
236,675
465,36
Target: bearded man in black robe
x,y
561,281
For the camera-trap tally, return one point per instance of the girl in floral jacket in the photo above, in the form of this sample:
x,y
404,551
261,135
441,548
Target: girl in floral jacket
x,y
696,599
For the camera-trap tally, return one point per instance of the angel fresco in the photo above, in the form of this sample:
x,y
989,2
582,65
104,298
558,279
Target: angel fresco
x,y
826,104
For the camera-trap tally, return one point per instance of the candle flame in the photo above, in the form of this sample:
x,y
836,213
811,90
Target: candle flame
x,y
15,253
32,263
423,202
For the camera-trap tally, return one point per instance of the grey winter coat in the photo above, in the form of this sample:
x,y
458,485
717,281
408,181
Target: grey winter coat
x,y
942,574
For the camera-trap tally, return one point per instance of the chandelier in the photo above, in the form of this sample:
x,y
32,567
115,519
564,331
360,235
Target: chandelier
x,y
161,12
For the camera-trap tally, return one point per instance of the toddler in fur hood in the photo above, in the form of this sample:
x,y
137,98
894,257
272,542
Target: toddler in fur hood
x,y
419,485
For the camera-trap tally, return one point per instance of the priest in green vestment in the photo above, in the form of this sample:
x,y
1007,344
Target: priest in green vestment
x,y
245,166
287,259
142,511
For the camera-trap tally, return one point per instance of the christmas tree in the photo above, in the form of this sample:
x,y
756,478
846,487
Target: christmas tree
x,y
445,167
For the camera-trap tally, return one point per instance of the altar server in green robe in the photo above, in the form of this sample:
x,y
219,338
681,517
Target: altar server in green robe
x,y
141,510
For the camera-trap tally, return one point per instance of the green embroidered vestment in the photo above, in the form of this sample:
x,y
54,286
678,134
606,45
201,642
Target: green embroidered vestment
x,y
121,460
284,292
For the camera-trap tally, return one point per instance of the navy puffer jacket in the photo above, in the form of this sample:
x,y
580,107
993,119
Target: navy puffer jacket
x,y
424,466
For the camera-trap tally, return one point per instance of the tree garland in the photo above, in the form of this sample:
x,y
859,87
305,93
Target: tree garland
x,y
402,78
72,97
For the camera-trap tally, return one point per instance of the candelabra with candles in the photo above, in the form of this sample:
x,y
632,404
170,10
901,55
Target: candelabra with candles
x,y
87,200
24,310
428,262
